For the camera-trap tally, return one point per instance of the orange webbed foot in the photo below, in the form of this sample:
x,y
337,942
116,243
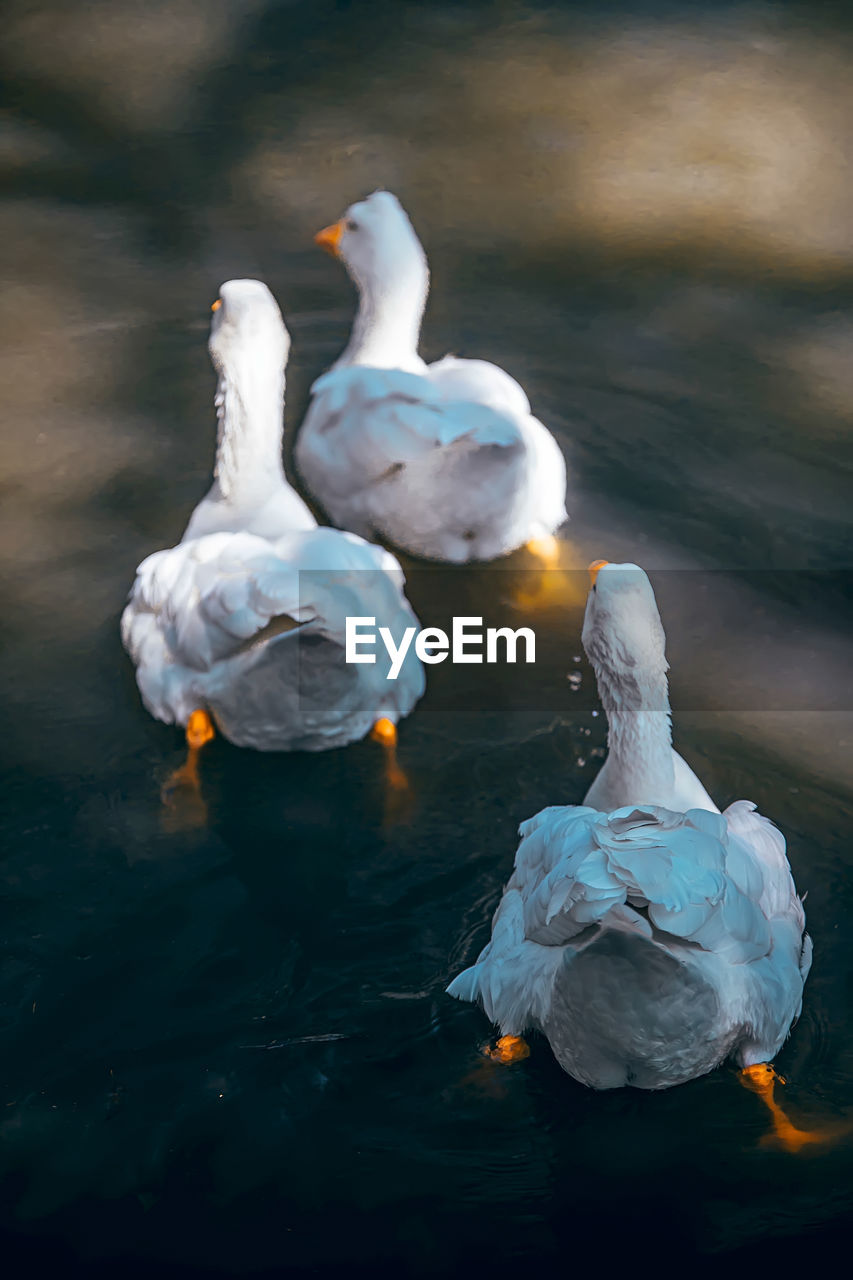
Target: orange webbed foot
x,y
181,792
546,550
398,792
384,732
548,586
199,730
762,1078
507,1049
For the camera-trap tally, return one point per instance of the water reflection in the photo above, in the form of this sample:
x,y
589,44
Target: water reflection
x,y
645,219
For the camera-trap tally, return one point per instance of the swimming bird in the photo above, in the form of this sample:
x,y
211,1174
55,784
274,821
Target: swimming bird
x,y
242,624
649,936
443,460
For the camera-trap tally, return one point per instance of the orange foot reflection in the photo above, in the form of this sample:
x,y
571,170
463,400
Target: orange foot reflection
x,y
507,1049
487,1078
385,733
548,586
399,798
545,549
762,1078
181,792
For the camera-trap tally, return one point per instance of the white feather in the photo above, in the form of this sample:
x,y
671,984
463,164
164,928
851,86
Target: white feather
x,y
648,943
246,617
443,460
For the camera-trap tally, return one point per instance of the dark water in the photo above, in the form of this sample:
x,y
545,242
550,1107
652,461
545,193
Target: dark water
x,y
227,1047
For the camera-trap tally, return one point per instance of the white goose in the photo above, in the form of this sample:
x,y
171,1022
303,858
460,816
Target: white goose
x,y
648,936
444,460
243,622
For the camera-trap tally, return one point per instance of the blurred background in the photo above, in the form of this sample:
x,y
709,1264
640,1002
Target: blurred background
x,y
642,211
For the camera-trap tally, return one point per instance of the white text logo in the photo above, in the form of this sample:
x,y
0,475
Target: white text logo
x,y
432,645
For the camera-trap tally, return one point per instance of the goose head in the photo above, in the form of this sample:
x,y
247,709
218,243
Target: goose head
x,y
623,635
247,325
377,244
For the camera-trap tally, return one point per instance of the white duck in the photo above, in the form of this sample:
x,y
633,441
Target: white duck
x,y
243,622
648,936
444,460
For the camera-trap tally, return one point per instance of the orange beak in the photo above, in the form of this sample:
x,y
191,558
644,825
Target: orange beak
x,y
214,306
330,237
594,568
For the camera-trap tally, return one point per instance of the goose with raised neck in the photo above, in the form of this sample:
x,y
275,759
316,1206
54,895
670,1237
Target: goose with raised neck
x,y
249,345
649,936
391,275
445,460
625,643
242,624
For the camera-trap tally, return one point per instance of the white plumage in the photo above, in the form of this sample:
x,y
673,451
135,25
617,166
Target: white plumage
x,y
648,944
445,460
245,618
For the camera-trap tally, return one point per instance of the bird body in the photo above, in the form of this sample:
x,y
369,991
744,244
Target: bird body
x,y
648,938
245,618
444,460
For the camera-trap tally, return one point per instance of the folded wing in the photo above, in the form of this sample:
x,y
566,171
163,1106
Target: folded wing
x,y
364,424
697,878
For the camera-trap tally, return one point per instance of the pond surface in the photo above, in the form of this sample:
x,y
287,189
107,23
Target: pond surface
x,y
227,1045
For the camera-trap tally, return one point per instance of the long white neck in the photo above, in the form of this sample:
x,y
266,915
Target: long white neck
x,y
387,325
250,408
639,738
